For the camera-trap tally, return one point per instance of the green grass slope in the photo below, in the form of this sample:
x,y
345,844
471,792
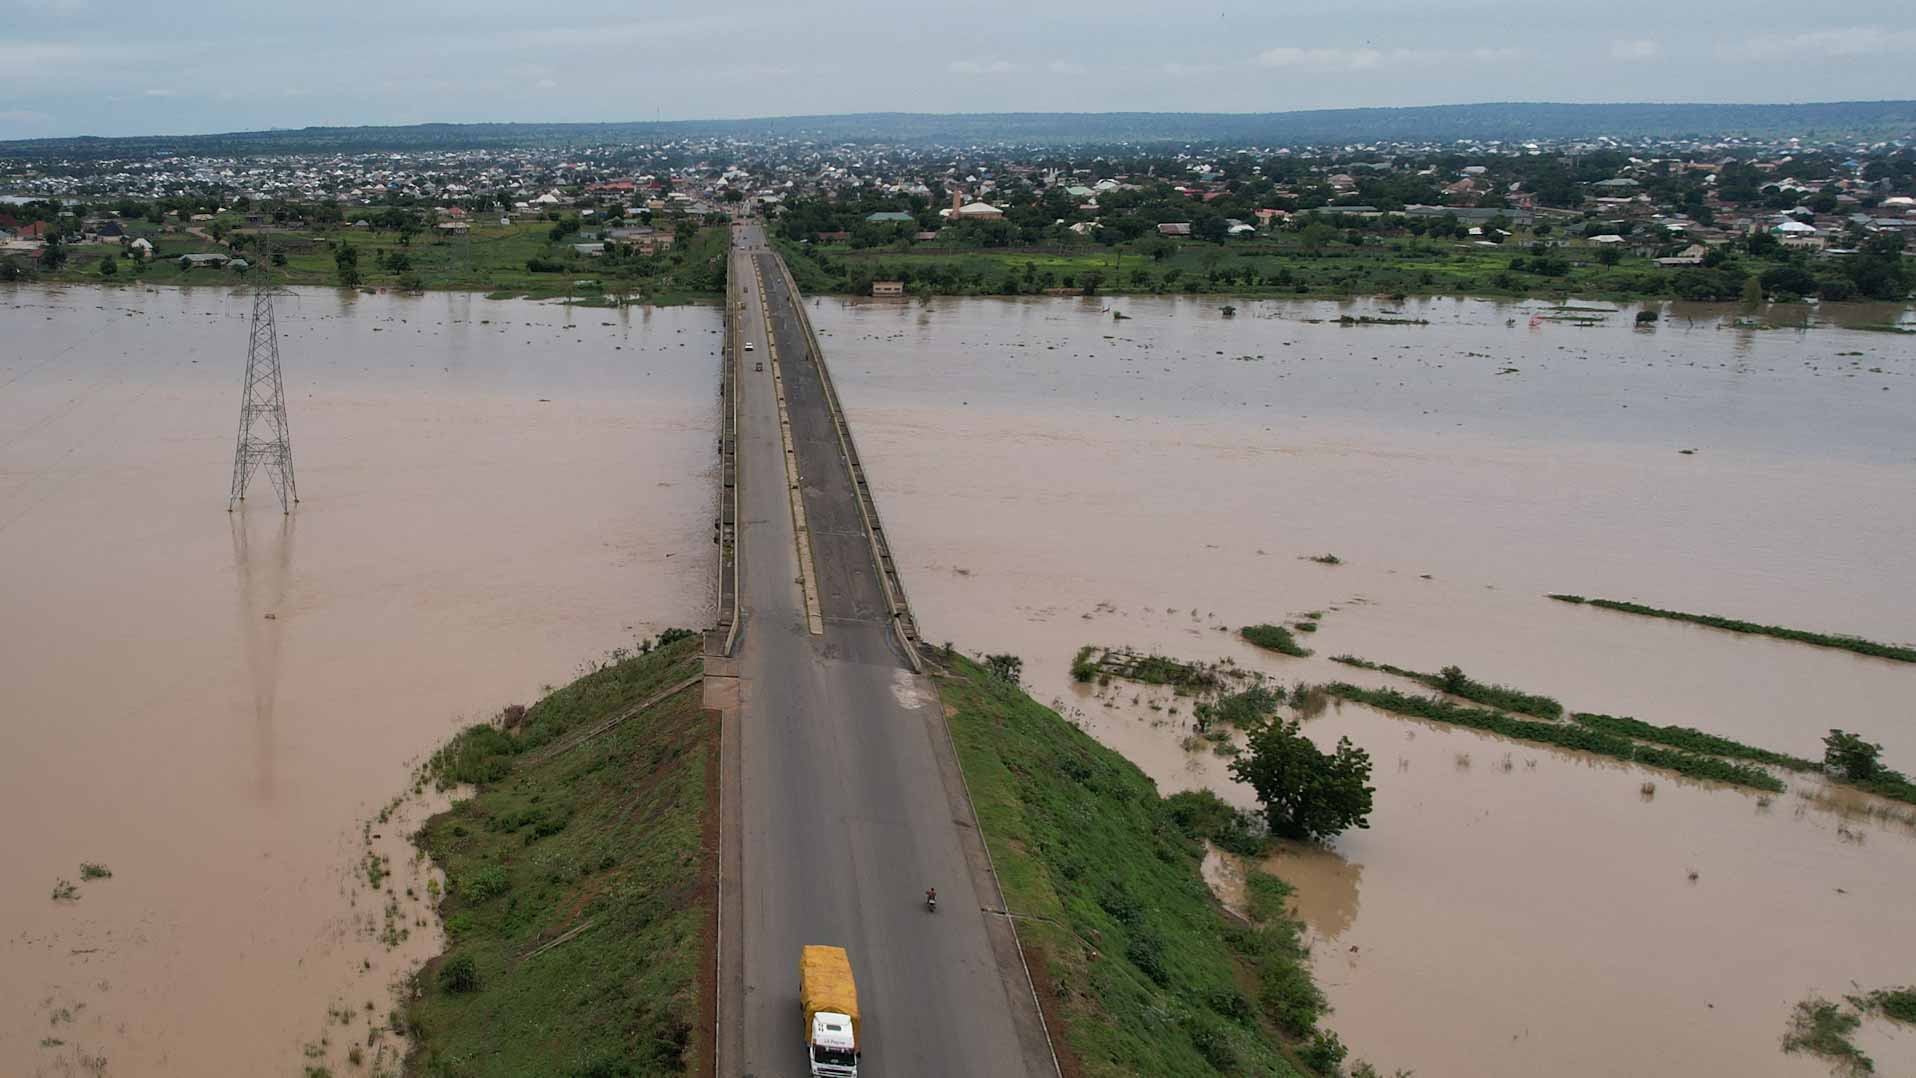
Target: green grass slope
x,y
588,818
1133,957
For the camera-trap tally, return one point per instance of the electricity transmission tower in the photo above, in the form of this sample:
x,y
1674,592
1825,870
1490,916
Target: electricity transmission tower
x,y
265,440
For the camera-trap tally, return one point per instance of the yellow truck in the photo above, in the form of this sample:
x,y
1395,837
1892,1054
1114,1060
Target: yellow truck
x,y
829,997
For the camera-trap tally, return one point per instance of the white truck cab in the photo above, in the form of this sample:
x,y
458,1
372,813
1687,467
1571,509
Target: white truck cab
x,y
834,1051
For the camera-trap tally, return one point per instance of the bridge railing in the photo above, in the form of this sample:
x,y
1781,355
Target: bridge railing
x,y
726,525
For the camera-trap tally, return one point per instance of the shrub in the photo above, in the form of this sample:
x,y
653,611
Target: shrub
x,y
1274,638
1454,681
1852,757
1146,951
1213,1041
1823,1028
485,883
1309,700
1289,997
1266,894
1117,901
459,974
1202,814
1897,1003
1324,1053
1005,667
1242,710
478,755
1230,1003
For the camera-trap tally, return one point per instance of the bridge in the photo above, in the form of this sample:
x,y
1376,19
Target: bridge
x,y
841,798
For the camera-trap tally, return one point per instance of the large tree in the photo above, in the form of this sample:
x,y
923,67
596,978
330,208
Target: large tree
x,y
1306,793
1848,755
346,263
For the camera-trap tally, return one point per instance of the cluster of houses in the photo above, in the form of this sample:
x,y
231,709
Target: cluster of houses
x,y
1483,199
695,177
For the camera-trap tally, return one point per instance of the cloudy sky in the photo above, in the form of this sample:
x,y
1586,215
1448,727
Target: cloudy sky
x,y
121,67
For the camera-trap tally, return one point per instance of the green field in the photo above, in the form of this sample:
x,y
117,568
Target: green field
x,y
1262,268
1134,958
491,258
578,882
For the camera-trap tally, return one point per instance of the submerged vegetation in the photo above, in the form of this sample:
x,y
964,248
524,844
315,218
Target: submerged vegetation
x,y
1452,680
1855,762
1203,814
1896,1004
1105,663
1824,640
1122,933
1084,665
1242,710
1683,737
1563,735
577,891
1274,638
1848,759
1823,1027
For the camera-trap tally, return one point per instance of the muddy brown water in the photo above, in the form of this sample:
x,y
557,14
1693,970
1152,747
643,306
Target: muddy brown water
x,y
1053,477
214,706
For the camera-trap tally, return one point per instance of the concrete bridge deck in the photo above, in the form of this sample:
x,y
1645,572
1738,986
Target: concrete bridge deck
x,y
842,798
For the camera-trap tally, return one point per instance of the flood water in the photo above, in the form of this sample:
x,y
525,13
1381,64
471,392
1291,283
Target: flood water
x,y
1052,477
215,707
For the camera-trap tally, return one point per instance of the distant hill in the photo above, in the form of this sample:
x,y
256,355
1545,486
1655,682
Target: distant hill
x,y
1505,120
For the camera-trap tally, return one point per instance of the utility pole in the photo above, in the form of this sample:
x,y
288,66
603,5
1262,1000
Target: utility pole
x,y
265,439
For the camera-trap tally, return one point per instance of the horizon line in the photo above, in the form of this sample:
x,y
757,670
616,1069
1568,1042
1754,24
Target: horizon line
x,y
801,117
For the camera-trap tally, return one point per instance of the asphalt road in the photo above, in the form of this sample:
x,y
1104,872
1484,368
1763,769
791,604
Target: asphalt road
x,y
842,814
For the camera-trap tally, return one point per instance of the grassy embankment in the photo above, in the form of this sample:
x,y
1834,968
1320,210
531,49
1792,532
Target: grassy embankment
x,y
1822,640
1285,266
492,260
1135,960
578,882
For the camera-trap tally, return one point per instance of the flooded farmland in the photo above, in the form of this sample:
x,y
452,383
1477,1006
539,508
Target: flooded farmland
x,y
1052,476
217,708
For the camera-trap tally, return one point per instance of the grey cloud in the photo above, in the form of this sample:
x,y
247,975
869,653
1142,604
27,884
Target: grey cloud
x,y
251,65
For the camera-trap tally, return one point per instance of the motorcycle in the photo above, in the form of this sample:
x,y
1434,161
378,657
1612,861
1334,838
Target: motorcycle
x,y
931,901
